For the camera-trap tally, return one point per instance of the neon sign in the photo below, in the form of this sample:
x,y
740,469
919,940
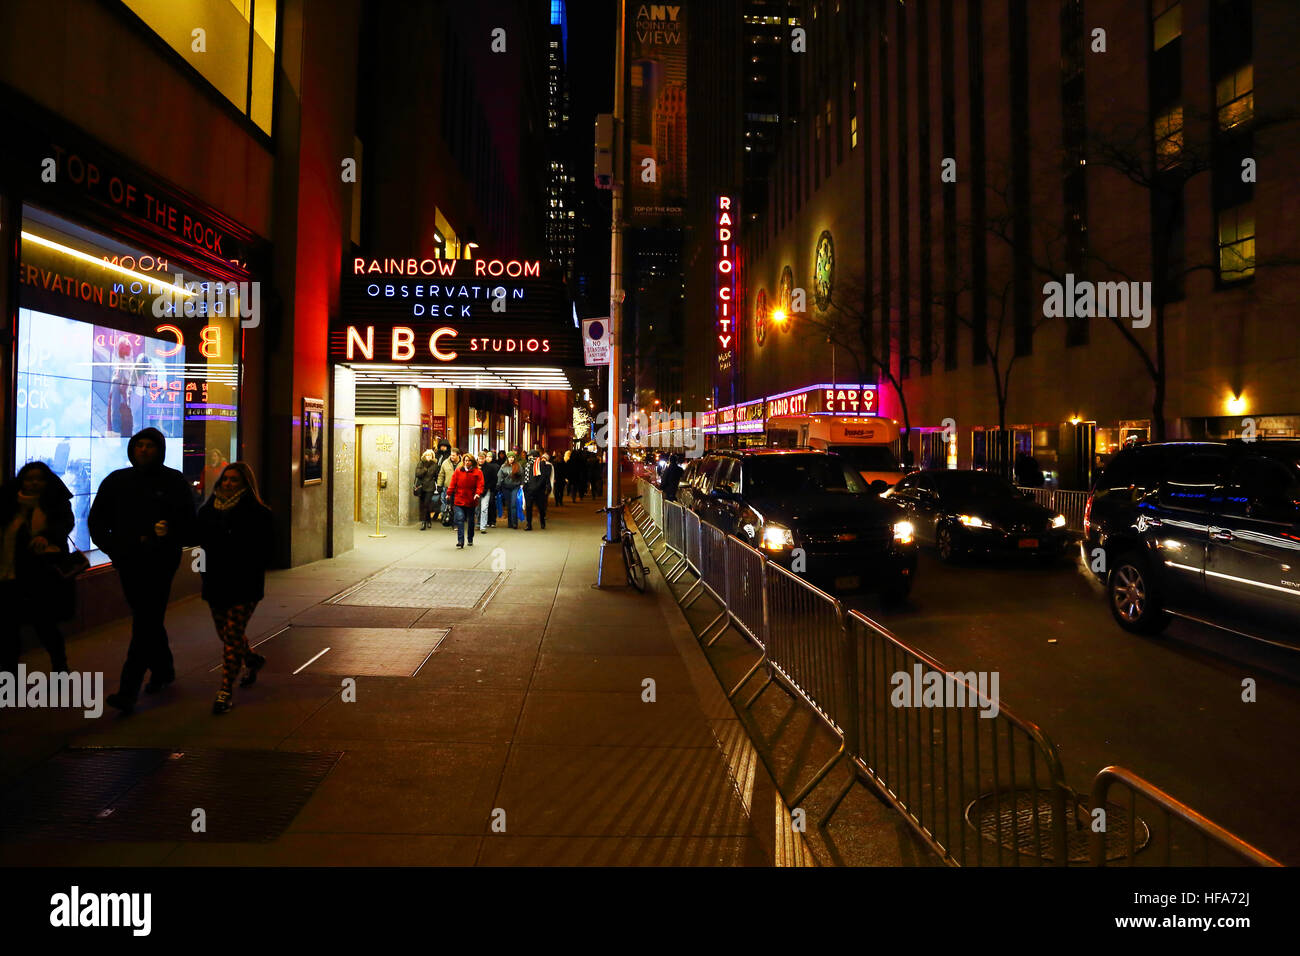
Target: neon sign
x,y
724,235
440,345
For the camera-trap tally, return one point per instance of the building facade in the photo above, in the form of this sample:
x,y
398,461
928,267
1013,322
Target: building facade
x,y
1041,228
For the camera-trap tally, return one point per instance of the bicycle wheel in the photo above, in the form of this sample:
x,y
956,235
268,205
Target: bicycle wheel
x,y
635,569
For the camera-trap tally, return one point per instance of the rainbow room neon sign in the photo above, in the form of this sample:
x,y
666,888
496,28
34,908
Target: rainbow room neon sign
x,y
724,235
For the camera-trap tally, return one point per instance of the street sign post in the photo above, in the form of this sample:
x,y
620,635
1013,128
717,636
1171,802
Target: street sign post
x,y
596,341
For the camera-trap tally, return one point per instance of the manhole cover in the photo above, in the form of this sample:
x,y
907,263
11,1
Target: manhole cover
x,y
148,795
422,588
1007,818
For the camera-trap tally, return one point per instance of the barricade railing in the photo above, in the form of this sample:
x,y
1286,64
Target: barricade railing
x,y
654,500
637,509
808,653
675,539
692,546
979,784
1186,837
1069,503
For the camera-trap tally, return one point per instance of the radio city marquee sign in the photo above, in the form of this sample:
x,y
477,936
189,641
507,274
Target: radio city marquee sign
x,y
825,400
452,312
725,242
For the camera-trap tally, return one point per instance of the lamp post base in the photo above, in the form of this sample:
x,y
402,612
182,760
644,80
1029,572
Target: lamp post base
x,y
611,569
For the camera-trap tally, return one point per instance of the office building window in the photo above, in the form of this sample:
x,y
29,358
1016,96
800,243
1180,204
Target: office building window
x,y
1169,137
1167,22
1235,97
1237,243
237,54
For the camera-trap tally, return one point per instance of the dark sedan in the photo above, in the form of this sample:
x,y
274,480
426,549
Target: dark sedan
x,y
963,512
811,513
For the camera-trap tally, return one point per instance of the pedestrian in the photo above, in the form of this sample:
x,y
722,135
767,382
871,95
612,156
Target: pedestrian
x,y
561,473
510,479
35,522
595,474
578,475
236,534
426,487
141,518
672,476
445,472
538,488
487,513
466,491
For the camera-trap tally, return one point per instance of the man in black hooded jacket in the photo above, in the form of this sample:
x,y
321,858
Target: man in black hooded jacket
x,y
141,518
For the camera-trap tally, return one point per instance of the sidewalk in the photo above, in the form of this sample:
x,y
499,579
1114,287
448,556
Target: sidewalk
x,y
521,738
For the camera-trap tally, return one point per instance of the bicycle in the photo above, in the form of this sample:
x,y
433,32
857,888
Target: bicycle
x,y
636,571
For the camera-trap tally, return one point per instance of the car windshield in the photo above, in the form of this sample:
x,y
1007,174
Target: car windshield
x,y
976,484
867,457
800,475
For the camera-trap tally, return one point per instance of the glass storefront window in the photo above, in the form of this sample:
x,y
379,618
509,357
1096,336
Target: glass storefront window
x,y
232,32
102,353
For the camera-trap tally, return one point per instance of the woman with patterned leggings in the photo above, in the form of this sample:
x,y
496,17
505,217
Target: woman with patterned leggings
x,y
235,532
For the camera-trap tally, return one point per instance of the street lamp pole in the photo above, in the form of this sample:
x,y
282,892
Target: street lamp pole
x,y
611,548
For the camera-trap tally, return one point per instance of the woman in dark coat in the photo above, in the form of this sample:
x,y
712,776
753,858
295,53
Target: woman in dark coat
x,y
35,521
426,483
235,532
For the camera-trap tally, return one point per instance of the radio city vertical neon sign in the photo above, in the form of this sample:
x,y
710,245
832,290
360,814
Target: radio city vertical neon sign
x,y
724,235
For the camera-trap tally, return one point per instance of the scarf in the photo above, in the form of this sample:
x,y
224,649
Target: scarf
x,y
226,502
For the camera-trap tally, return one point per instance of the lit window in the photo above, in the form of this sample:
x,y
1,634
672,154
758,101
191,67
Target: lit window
x,y
1237,243
853,132
234,30
1168,23
1169,137
1235,97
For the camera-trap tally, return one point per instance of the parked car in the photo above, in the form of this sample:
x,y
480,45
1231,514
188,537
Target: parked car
x,y
781,502
1203,530
964,512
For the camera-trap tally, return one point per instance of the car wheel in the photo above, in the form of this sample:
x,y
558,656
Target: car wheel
x,y
895,594
945,540
1134,596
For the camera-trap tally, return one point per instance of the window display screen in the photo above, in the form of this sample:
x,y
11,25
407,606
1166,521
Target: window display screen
x,y
83,391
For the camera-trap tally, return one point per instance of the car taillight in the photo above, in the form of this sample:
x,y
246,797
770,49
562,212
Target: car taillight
x,y
1087,514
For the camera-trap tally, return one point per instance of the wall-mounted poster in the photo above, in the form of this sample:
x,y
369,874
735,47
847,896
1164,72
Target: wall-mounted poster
x,y
313,440
656,113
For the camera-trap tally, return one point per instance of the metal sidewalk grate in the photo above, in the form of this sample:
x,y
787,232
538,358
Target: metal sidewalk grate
x,y
1008,819
422,588
147,795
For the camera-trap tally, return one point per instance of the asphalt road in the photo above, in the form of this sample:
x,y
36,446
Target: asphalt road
x,y
1169,708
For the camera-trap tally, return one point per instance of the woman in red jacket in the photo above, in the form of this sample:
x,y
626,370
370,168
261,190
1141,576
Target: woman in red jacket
x,y
465,490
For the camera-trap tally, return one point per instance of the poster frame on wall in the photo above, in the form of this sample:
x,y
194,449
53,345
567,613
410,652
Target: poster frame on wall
x,y
312,443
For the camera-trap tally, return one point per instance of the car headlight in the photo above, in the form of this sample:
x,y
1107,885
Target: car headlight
x,y
904,533
971,521
776,537
1058,521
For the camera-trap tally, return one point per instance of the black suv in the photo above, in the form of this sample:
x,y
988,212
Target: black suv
x,y
782,501
1204,530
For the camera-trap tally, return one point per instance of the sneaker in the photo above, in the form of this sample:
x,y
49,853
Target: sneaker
x,y
125,704
254,663
223,703
470,544
459,545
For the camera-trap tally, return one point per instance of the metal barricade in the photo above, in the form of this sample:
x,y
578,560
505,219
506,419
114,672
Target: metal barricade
x,y
637,509
1069,503
713,574
692,546
1186,839
674,539
745,604
808,653
978,784
655,512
